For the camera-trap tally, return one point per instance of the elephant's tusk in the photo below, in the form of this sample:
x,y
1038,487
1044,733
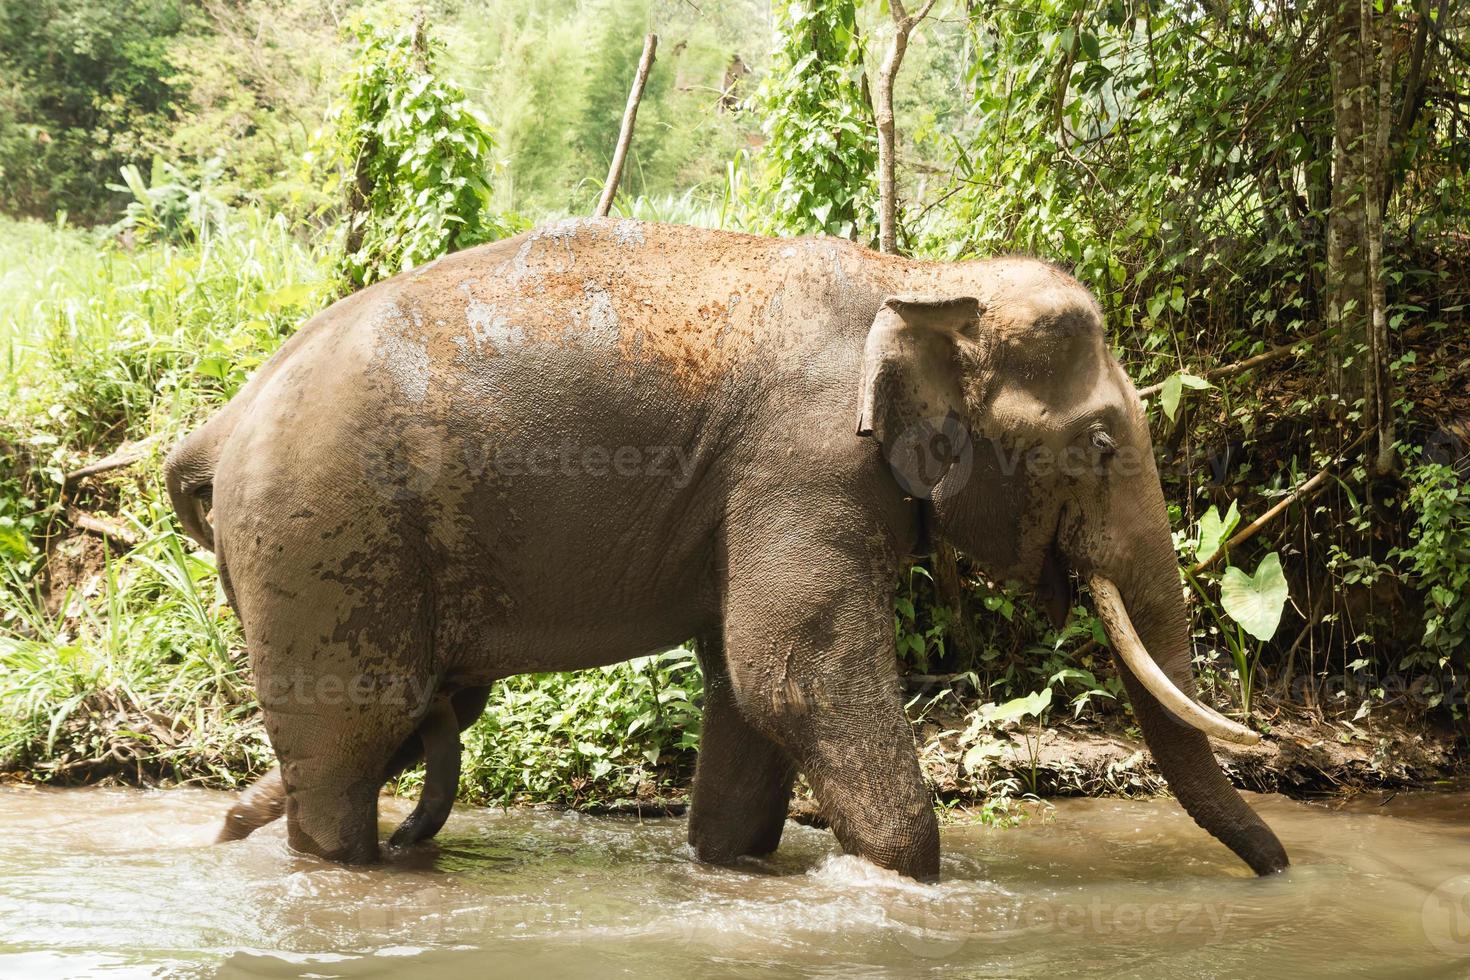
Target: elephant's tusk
x,y
1130,648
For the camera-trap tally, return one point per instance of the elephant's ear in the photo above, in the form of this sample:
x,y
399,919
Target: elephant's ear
x,y
911,399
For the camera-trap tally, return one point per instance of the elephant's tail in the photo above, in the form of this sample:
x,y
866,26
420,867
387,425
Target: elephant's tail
x,y
188,473
439,733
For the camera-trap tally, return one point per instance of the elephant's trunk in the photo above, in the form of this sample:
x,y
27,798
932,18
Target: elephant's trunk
x,y
1151,598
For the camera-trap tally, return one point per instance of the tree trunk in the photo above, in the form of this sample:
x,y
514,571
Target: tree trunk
x,y
1347,274
948,584
1362,67
1377,390
903,26
949,588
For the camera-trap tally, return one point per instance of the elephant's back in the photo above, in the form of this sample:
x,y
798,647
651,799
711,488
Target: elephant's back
x,y
690,305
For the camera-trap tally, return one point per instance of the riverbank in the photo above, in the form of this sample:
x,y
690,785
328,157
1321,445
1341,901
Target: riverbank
x,y
1303,756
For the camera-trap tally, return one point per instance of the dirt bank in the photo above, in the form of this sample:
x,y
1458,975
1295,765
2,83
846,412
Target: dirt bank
x,y
1301,757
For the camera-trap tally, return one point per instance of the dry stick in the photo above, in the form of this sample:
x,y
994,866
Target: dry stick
x,y
104,529
625,136
1251,529
1225,371
126,456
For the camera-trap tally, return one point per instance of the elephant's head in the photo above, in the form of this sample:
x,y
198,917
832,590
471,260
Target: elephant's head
x,y
999,403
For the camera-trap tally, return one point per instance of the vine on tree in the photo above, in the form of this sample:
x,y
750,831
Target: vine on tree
x,y
817,167
420,159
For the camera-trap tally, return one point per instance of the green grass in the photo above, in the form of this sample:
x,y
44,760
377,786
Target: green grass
x,y
125,662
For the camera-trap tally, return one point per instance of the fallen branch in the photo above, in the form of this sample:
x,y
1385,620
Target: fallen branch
x,y
123,456
625,135
115,533
1254,527
1228,370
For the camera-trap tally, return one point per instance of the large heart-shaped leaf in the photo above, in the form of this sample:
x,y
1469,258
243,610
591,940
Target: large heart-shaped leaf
x,y
1255,601
1214,531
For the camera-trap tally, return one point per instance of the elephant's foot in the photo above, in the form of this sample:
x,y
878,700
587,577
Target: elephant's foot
x,y
439,734
725,826
263,802
334,818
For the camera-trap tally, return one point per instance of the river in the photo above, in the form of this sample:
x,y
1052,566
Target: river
x,y
117,882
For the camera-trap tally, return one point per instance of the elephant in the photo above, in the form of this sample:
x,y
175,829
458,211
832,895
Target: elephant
x,y
602,438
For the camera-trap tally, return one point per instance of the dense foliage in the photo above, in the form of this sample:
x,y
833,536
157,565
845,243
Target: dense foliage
x,y
84,88
1186,161
816,167
418,159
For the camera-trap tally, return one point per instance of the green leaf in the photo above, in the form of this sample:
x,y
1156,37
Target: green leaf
x,y
1017,708
1256,601
979,754
13,542
1215,530
1173,390
1169,396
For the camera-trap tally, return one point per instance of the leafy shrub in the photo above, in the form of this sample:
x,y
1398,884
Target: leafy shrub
x,y
419,159
817,167
169,207
586,737
1438,556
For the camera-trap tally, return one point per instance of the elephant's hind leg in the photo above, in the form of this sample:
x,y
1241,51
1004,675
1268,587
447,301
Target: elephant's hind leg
x,y
437,743
343,685
742,780
263,802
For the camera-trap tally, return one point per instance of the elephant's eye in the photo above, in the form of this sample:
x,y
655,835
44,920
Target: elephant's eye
x,y
1100,440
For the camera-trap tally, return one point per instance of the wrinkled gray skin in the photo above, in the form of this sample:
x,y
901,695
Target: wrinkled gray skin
x,y
599,439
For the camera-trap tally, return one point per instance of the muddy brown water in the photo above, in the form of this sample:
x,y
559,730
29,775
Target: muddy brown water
x,y
110,882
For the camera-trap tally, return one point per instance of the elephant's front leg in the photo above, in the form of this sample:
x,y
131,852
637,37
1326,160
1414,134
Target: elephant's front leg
x,y
810,648
742,782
